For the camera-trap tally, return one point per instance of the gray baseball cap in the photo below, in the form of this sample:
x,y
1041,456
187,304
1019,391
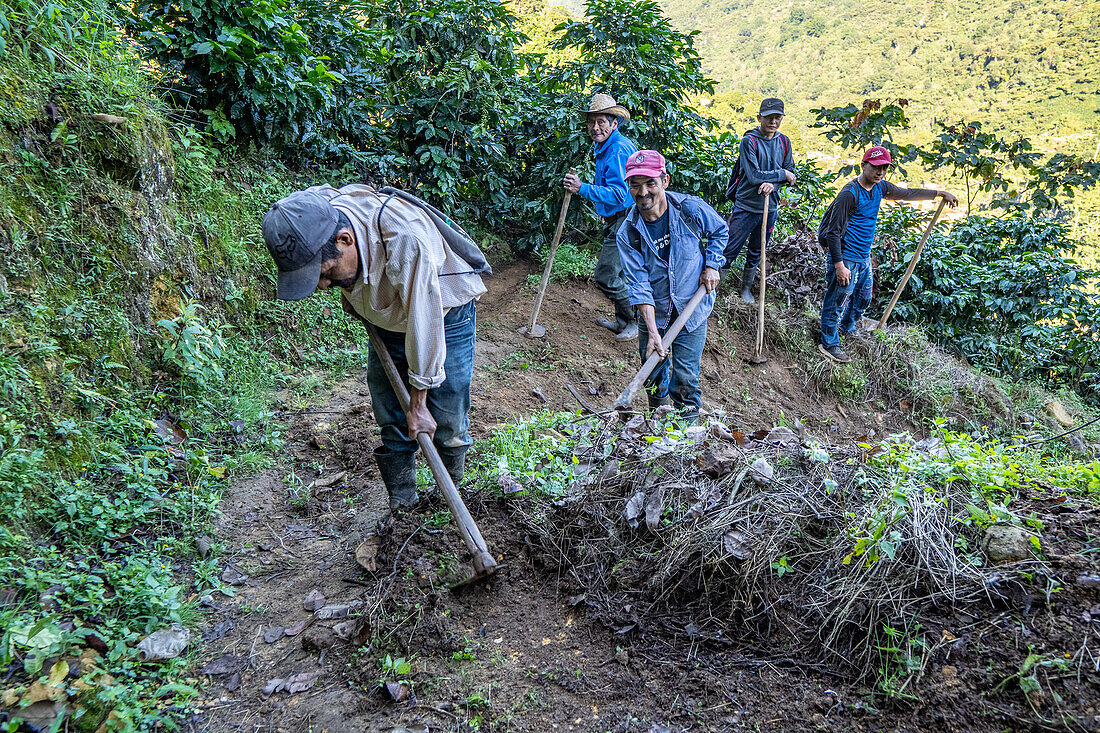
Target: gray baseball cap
x,y
295,230
771,106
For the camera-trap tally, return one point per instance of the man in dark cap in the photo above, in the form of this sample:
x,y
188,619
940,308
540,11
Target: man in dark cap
x,y
405,268
610,198
765,165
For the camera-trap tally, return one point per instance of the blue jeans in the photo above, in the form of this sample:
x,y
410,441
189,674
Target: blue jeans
x,y
681,382
449,403
609,269
745,227
844,304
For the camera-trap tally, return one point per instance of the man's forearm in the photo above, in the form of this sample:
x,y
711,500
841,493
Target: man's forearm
x,y
649,317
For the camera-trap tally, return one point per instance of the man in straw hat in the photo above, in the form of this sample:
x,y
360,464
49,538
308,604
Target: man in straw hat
x,y
611,199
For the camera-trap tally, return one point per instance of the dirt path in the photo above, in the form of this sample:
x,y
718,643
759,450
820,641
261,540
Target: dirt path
x,y
512,654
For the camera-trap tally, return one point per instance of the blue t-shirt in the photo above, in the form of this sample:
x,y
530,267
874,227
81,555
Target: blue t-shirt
x,y
860,234
658,232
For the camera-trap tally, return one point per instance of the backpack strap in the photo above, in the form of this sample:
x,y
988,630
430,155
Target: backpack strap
x,y
634,239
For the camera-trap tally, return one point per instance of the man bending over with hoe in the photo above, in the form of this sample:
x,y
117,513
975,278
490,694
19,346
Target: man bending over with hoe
x,y
610,198
415,276
665,263
847,232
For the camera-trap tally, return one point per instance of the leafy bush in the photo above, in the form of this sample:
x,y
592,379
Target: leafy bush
x,y
286,72
1006,294
629,49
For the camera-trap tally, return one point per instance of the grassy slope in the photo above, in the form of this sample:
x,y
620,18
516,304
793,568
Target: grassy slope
x,y
112,235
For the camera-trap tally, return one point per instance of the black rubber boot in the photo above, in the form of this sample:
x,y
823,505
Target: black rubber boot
x,y
455,462
747,281
655,402
399,475
614,326
624,311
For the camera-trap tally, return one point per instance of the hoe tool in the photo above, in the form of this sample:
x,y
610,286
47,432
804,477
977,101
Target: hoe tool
x,y
533,330
912,266
484,563
622,403
758,354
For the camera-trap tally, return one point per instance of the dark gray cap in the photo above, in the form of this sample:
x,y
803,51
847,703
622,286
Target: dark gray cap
x,y
771,106
295,230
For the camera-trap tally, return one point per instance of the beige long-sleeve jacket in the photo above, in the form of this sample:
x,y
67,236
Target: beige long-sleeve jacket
x,y
411,276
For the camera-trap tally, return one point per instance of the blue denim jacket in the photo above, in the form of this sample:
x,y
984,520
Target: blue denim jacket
x,y
609,193
668,286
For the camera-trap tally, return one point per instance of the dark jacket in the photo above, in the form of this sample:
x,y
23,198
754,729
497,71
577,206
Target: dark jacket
x,y
762,161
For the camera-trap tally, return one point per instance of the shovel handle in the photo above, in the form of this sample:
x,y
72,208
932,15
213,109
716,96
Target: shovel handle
x,y
763,279
484,563
623,401
912,266
550,258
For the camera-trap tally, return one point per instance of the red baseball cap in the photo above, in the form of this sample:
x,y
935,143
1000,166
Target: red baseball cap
x,y
877,155
647,163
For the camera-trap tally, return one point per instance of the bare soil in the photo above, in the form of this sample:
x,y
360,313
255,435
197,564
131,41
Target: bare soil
x,y
518,652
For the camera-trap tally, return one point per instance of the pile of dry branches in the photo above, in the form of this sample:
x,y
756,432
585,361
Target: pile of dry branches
x,y
724,536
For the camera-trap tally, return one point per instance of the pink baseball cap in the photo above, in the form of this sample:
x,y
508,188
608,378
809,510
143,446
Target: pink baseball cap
x,y
647,163
877,155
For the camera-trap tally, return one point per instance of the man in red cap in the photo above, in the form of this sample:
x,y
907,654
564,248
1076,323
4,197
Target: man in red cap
x,y
664,264
847,231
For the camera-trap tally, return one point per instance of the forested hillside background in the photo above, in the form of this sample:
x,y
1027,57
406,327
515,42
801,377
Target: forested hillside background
x,y
1019,67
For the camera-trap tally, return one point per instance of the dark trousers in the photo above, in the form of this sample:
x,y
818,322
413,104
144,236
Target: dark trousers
x,y
745,227
609,269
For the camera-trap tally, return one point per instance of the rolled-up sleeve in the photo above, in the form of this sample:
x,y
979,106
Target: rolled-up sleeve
x,y
638,288
415,254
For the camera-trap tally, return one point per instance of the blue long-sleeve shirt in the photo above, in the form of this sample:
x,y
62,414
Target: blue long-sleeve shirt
x,y
668,285
608,192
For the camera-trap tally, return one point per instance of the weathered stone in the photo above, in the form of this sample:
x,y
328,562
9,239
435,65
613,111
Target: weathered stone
x,y
1004,543
318,638
761,471
313,600
336,610
1054,409
1089,580
718,461
782,435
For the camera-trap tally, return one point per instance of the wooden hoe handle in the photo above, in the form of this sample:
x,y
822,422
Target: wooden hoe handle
x,y
912,266
622,404
484,563
550,258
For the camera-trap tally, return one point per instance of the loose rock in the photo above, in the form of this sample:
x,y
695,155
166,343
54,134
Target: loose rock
x,y
761,471
1004,543
336,610
313,600
1054,409
164,644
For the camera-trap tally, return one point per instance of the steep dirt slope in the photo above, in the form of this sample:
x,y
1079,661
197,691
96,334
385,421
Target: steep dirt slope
x,y
515,653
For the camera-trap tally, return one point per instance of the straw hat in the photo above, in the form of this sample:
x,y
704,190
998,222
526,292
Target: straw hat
x,y
605,104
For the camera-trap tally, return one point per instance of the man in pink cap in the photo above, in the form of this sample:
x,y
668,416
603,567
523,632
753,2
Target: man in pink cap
x,y
665,260
847,231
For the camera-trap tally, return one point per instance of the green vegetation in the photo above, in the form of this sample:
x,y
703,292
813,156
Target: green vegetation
x,y
122,398
1023,67
140,348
